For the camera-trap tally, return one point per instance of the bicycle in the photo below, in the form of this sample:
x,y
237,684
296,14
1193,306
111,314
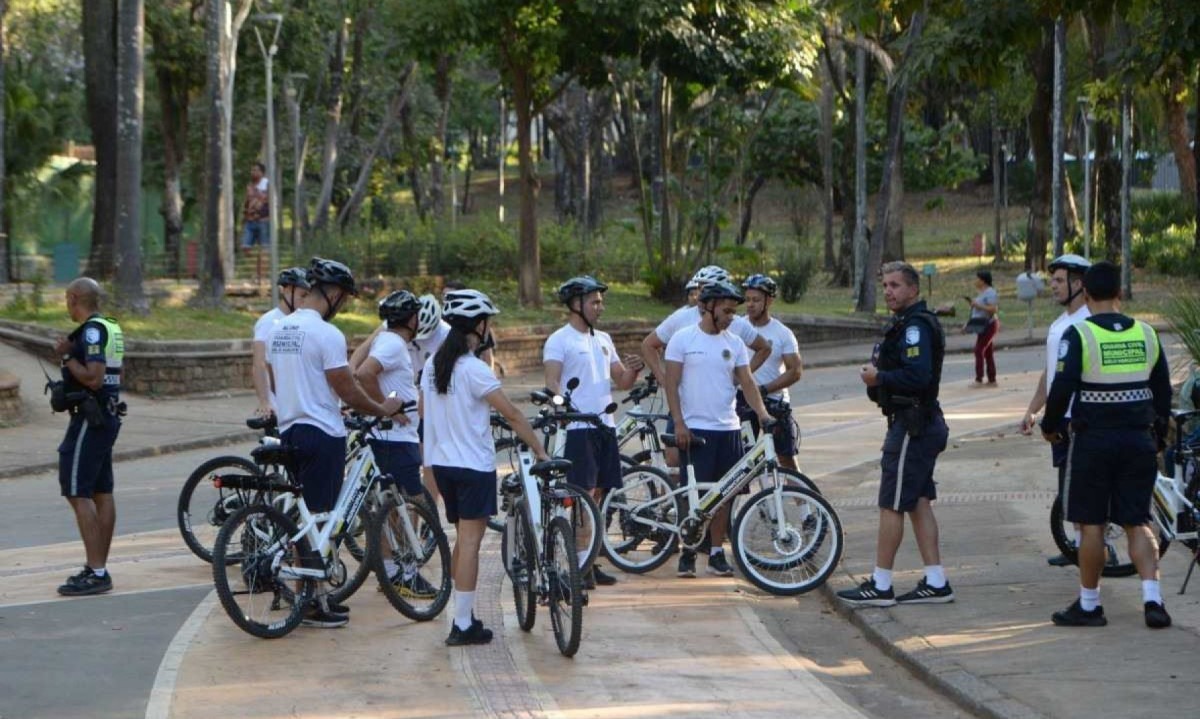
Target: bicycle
x,y
266,566
787,538
538,547
1174,511
642,425
199,513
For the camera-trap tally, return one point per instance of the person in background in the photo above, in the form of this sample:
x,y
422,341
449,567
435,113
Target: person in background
x,y
984,311
256,210
782,368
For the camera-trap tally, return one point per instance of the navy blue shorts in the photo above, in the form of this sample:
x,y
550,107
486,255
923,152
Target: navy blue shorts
x,y
595,460
908,464
722,449
468,493
399,461
320,464
1110,476
85,457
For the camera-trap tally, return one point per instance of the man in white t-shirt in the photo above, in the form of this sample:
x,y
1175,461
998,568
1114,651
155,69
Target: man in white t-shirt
x,y
1066,286
579,351
702,364
782,368
294,287
310,374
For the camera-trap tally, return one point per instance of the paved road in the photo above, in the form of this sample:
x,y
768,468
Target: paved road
x,y
650,644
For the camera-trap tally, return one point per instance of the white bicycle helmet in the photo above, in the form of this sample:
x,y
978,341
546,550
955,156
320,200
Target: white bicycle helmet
x,y
711,273
428,316
468,305
1070,263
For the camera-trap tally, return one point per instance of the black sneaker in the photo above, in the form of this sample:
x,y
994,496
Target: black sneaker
x,y
687,564
925,594
1156,615
1061,560
718,566
602,578
85,583
868,596
325,619
335,608
415,587
1074,616
475,634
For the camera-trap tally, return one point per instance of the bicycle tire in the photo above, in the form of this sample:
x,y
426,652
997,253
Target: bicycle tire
x,y
202,508
586,519
353,557
1117,562
522,563
425,591
645,496
250,585
802,556
564,586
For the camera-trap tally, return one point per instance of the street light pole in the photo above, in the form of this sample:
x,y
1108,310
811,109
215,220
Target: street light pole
x,y
272,184
1087,177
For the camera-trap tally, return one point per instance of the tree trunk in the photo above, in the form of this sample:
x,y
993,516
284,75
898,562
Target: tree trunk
x,y
441,90
6,259
528,259
748,207
333,124
645,203
1177,132
299,154
661,91
1196,163
100,70
1041,62
409,132
173,121
130,80
212,277
826,143
229,58
399,101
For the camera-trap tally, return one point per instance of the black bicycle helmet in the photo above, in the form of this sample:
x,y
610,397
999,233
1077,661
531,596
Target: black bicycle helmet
x,y
762,283
721,291
579,287
398,306
293,277
331,272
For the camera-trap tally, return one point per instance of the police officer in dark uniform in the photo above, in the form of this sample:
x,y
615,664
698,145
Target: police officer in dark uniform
x,y
91,369
903,380
1114,369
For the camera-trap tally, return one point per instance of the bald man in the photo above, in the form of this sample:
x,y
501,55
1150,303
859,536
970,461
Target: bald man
x,y
91,368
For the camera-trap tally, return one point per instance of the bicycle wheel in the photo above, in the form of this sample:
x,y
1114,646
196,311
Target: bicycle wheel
x,y
787,541
352,565
767,479
642,457
250,550
496,521
1117,562
640,520
410,556
520,554
581,510
203,508
565,586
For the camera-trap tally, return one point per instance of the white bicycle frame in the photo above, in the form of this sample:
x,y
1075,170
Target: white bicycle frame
x,y
1168,502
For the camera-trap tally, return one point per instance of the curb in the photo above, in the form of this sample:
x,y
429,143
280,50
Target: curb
x,y
143,452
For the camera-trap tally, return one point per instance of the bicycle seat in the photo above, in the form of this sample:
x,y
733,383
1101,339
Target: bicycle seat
x,y
669,440
550,468
277,454
649,416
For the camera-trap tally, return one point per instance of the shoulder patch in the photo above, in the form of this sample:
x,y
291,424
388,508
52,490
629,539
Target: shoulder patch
x,y
91,335
1064,346
912,335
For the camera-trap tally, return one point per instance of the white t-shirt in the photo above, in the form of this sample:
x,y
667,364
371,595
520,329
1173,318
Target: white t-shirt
x,y
390,351
690,317
421,350
707,392
458,430
590,358
262,328
1053,341
783,342
300,349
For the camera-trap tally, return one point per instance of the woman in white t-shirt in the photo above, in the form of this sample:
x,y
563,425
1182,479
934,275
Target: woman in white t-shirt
x,y
458,392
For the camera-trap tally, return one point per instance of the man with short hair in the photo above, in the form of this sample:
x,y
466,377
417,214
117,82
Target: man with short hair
x,y
310,374
904,380
1113,373
293,286
782,368
256,209
579,351
703,362
92,357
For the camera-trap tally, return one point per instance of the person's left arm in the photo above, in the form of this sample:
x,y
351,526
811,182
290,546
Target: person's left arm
x,y
915,373
1160,388
1067,376
90,371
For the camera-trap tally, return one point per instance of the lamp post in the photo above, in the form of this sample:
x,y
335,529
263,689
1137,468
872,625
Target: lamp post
x,y
272,186
293,86
1085,108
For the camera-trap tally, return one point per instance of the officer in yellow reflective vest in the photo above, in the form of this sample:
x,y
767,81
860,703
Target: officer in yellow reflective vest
x,y
1113,369
92,358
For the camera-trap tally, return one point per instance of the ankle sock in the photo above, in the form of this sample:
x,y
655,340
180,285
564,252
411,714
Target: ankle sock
x,y
1089,599
1151,591
100,572
464,604
935,576
883,579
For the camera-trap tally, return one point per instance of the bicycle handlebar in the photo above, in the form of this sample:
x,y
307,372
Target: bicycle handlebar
x,y
266,424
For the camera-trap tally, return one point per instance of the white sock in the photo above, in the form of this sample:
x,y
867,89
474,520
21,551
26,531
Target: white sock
x,y
1151,592
883,578
1078,538
582,558
935,576
464,604
715,551
1089,599
99,572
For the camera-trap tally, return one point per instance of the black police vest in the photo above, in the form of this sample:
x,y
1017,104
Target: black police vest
x,y
891,352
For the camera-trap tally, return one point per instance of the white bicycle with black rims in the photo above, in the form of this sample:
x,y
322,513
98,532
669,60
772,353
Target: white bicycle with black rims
x,y
787,539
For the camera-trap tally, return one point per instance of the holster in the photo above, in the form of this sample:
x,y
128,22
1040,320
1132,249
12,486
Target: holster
x,y
909,413
90,409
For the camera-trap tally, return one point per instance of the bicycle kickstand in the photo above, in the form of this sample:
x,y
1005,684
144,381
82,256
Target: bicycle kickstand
x,y
1191,568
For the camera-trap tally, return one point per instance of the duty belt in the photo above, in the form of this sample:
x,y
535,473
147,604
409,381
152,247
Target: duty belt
x,y
1115,396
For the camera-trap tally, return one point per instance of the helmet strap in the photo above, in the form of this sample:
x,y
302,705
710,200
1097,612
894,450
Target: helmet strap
x,y
1071,294
486,341
572,310
331,307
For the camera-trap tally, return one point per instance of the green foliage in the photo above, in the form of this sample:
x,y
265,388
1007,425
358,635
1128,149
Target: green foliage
x,y
1156,211
741,261
1183,314
665,282
936,159
1169,251
797,267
